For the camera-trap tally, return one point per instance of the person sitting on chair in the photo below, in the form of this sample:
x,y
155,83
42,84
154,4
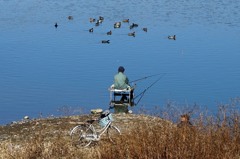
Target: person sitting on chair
x,y
121,82
120,79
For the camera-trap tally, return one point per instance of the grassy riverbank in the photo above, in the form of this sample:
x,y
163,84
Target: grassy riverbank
x,y
142,136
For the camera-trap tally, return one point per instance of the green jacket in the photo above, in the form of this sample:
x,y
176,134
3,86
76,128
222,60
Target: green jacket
x,y
120,81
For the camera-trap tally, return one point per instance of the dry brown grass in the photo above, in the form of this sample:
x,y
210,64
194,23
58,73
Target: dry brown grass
x,y
143,137
185,142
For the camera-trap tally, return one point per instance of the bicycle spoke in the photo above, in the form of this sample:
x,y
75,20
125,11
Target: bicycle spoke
x,y
82,135
113,132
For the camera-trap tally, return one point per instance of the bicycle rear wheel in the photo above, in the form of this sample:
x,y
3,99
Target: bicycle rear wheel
x,y
82,135
113,132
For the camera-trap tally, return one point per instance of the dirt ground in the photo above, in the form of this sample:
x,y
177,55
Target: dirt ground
x,y
49,127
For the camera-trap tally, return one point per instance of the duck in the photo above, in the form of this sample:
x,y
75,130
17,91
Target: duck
x,y
125,20
134,25
144,29
101,18
109,33
172,37
70,17
97,23
90,30
92,20
117,25
132,34
105,41
56,25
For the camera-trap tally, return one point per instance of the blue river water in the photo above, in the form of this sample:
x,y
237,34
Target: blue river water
x,y
47,71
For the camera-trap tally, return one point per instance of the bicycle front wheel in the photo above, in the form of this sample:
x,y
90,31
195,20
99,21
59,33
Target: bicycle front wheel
x,y
113,132
82,135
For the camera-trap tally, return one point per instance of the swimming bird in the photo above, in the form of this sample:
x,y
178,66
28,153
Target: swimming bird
x,y
56,25
132,34
105,41
90,30
134,25
70,17
92,20
117,25
101,18
125,21
172,37
109,33
97,23
144,29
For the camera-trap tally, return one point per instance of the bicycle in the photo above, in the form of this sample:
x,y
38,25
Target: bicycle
x,y
84,134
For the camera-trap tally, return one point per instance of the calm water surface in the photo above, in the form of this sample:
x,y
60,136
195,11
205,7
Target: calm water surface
x,y
43,69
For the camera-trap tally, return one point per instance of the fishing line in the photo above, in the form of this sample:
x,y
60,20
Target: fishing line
x,y
146,77
143,92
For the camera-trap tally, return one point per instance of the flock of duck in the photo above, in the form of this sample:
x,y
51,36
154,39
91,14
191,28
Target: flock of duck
x,y
100,20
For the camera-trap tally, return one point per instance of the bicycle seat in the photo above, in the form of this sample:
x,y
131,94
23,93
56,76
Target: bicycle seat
x,y
105,113
91,121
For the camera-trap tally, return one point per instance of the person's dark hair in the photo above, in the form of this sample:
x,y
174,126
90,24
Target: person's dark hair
x,y
121,69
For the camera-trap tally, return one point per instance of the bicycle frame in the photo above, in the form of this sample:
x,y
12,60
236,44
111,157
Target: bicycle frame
x,y
97,133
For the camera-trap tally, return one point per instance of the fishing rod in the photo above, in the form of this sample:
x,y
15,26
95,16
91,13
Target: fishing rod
x,y
146,77
143,92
